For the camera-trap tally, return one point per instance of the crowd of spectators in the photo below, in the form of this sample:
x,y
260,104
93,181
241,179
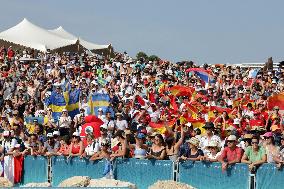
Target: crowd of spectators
x,y
229,135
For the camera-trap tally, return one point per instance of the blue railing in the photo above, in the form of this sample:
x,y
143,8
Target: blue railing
x,y
144,173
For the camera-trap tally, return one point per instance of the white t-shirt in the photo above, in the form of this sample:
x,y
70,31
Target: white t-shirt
x,y
121,124
65,122
92,148
108,124
204,141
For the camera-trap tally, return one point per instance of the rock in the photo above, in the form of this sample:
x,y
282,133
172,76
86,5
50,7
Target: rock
x,y
77,181
42,184
169,184
5,183
110,183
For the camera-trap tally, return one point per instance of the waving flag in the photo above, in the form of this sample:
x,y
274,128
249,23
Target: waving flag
x,y
57,102
160,127
73,102
181,91
203,74
100,100
276,100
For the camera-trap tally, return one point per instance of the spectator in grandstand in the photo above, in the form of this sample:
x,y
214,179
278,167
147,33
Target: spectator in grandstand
x,y
33,146
92,147
230,154
254,155
124,150
64,123
173,144
50,147
193,152
246,141
157,150
76,147
103,153
139,148
210,136
64,146
214,153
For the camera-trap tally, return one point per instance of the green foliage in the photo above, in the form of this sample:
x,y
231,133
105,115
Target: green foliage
x,y
142,55
153,58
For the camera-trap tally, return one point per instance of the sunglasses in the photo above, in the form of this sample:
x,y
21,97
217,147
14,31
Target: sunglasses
x,y
266,138
254,142
230,141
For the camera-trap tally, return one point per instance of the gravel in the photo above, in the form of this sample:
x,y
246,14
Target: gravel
x,y
110,183
77,181
169,184
33,184
5,183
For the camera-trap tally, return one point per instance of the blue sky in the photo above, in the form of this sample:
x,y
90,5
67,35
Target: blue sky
x,y
219,31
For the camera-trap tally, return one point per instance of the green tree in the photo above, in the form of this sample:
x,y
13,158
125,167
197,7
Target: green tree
x,y
153,58
142,55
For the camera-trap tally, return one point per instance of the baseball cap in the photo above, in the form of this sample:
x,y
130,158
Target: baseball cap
x,y
140,136
268,134
76,134
6,133
56,133
49,135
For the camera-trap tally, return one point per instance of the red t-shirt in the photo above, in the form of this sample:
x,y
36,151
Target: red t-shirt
x,y
231,155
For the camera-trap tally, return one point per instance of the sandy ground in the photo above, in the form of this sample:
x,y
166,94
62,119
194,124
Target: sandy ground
x,y
44,184
5,182
169,184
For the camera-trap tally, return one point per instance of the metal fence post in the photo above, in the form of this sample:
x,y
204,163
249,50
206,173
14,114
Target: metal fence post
x,y
252,183
49,170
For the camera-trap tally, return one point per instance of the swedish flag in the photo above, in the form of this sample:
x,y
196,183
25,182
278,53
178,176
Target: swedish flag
x,y
100,100
57,103
73,97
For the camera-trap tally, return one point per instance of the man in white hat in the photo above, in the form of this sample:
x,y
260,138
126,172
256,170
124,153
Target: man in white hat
x,y
231,154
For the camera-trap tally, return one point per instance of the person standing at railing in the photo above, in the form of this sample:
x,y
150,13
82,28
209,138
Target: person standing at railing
x,y
157,150
193,153
231,154
50,147
76,147
254,155
124,150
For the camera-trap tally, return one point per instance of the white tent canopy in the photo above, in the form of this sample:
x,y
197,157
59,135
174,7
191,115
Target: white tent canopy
x,y
61,32
30,35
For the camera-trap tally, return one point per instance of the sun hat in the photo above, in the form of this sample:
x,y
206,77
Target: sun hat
x,y
153,134
232,138
194,141
212,143
247,136
231,128
276,108
268,134
274,128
